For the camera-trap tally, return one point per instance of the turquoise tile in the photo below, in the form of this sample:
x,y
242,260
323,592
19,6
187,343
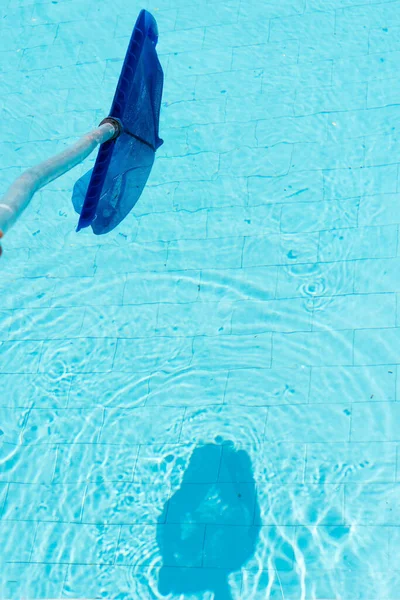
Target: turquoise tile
x,y
17,16
122,503
72,263
328,548
94,580
12,423
379,209
119,321
10,60
179,225
20,356
334,46
254,351
81,355
233,34
266,387
393,535
378,154
223,191
372,504
217,14
292,130
27,324
303,27
377,275
308,423
353,384
157,463
189,538
24,532
182,87
56,13
35,390
95,463
90,390
217,253
218,424
383,92
282,462
39,502
206,63
223,137
175,288
369,67
280,249
272,315
235,284
144,355
73,77
6,320
315,280
331,155
319,216
376,346
259,56
265,162
352,462
47,57
349,97
133,426
238,221
179,41
342,183
62,426
359,311
195,112
18,579
375,423
384,39
298,186
155,198
302,504
377,180
271,10
78,291
15,38
189,387
92,544
296,349
360,243
358,17
372,123
190,167
235,84
131,258
26,463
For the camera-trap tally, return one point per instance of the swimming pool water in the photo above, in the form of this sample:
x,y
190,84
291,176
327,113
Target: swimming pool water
x,y
204,404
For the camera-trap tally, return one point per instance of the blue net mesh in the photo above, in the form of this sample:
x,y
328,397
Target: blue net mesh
x,y
106,194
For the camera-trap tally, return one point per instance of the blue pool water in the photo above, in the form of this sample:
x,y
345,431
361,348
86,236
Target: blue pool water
x,y
203,404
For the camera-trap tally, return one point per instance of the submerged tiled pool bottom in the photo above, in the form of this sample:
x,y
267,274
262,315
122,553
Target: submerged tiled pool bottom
x,y
203,403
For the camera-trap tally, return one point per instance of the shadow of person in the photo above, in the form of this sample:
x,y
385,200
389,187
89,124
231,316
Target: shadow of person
x,y
206,530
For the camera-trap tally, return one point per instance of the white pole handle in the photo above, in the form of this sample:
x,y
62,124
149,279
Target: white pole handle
x,y
20,193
